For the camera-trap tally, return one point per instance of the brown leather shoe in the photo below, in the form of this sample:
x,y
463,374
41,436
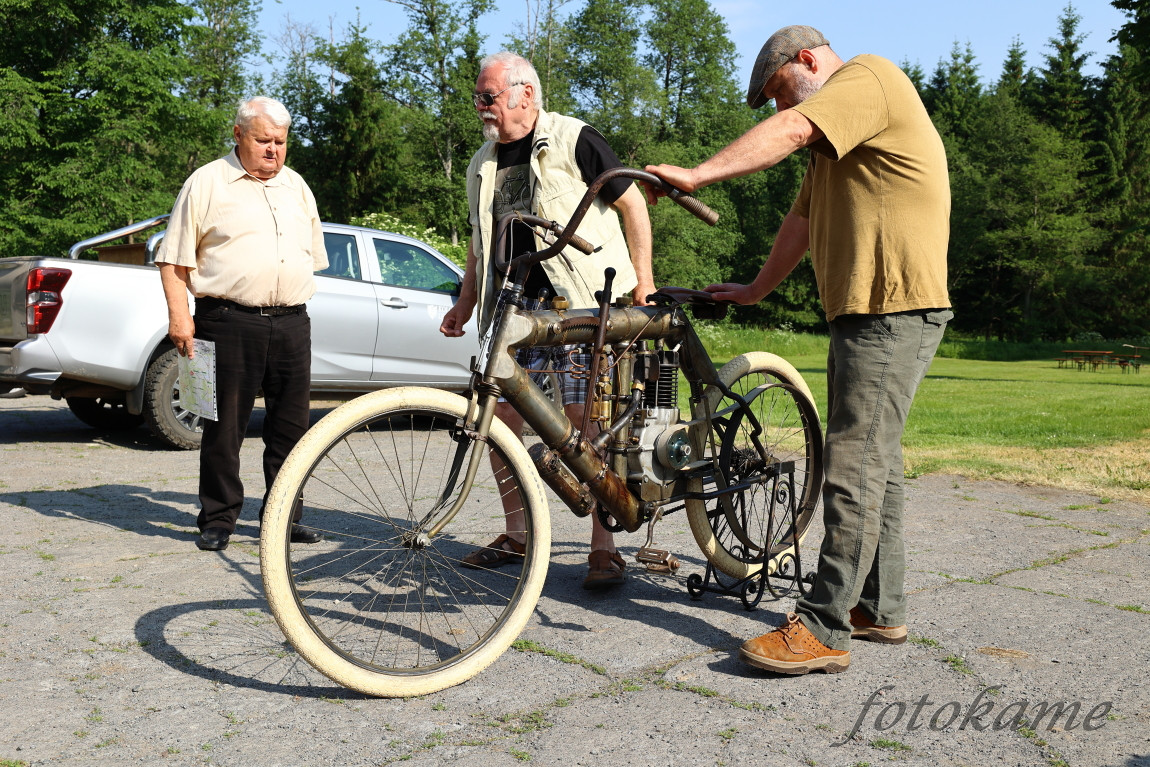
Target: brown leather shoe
x,y
863,627
792,649
499,552
605,568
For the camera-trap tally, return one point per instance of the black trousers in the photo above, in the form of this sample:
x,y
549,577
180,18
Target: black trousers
x,y
253,353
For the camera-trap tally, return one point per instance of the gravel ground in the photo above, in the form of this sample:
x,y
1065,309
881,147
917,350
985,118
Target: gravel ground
x,y
121,643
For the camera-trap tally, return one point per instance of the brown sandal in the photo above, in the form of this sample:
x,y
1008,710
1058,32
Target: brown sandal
x,y
495,554
605,568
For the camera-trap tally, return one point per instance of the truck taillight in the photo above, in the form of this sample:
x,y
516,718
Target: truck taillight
x,y
44,302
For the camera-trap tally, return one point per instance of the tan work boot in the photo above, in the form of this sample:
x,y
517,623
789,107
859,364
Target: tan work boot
x,y
792,649
863,627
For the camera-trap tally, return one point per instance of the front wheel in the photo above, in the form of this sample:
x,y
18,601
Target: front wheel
x,y
379,605
769,444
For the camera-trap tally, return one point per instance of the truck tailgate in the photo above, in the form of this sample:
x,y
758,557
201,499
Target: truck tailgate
x,y
13,302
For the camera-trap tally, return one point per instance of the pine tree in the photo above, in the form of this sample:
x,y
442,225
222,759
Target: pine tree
x,y
954,92
1135,33
1014,75
1062,92
1123,196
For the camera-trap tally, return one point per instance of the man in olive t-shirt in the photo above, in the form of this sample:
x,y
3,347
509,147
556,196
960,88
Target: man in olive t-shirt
x,y
874,211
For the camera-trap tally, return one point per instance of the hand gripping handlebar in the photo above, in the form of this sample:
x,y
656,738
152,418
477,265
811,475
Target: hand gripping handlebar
x,y
566,234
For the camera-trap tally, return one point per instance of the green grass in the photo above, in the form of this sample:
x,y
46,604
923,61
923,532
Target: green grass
x,y
889,745
526,645
958,664
1029,404
1013,418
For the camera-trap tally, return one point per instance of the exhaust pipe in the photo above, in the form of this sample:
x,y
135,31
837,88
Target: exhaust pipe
x,y
569,489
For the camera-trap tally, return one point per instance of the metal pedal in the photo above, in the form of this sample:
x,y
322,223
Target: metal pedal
x,y
658,561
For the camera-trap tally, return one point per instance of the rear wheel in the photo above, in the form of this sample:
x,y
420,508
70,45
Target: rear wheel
x,y
104,413
773,448
169,421
381,606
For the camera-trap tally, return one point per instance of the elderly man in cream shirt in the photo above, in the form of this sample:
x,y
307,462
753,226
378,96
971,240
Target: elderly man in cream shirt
x,y
245,238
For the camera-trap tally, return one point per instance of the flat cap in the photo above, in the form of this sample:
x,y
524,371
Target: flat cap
x,y
780,48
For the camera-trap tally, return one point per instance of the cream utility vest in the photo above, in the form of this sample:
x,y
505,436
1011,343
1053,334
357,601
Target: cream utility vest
x,y
256,243
876,193
557,189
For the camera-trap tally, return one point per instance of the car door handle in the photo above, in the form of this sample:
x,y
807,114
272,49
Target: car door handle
x,y
394,303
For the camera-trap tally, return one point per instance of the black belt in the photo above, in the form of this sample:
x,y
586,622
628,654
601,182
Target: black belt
x,y
209,302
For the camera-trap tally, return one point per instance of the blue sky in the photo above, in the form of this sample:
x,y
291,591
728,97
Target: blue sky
x,y
901,30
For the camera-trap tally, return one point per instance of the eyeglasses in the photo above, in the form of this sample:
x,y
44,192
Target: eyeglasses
x,y
487,99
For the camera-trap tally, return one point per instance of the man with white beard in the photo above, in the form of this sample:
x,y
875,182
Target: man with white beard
x,y
541,163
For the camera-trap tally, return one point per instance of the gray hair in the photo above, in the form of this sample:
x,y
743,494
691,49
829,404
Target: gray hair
x,y
519,71
262,106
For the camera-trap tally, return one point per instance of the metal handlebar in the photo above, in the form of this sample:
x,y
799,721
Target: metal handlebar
x,y
692,205
566,234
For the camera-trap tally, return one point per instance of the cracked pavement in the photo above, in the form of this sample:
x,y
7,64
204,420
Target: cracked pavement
x,y
122,643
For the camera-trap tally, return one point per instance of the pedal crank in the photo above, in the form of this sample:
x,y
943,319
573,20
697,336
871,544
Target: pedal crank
x,y
659,561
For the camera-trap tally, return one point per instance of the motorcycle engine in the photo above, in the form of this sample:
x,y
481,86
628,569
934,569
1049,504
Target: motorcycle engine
x,y
663,443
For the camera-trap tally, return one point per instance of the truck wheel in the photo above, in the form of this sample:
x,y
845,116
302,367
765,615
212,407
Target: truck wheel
x,y
176,427
105,414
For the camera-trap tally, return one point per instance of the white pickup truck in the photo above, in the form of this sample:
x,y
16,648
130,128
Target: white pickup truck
x,y
94,332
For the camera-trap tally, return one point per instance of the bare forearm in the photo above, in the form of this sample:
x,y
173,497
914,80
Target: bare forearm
x,y
637,230
468,290
458,315
763,146
176,284
181,328
791,243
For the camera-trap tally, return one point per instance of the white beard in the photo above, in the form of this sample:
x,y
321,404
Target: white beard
x,y
490,131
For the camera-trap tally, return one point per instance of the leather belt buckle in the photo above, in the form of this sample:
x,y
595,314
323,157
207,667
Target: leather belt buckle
x,y
277,311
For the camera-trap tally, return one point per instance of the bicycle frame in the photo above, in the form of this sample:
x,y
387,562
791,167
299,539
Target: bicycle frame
x,y
570,459
408,593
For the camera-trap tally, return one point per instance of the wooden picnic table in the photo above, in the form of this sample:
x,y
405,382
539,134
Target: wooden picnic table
x,y
1096,358
1128,362
1093,357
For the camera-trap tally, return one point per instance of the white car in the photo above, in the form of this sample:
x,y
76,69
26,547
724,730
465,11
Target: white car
x,y
94,332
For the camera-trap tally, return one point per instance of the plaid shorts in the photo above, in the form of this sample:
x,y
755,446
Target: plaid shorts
x,y
565,362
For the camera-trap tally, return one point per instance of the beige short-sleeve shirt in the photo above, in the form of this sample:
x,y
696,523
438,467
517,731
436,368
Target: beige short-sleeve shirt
x,y
876,193
253,242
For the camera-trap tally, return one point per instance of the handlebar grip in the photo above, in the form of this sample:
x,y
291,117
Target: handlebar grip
x,y
579,243
695,206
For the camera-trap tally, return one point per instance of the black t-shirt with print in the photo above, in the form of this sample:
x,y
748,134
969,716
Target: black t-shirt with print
x,y
593,156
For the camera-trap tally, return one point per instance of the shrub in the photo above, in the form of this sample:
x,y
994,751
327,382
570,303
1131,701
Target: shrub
x,y
389,223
